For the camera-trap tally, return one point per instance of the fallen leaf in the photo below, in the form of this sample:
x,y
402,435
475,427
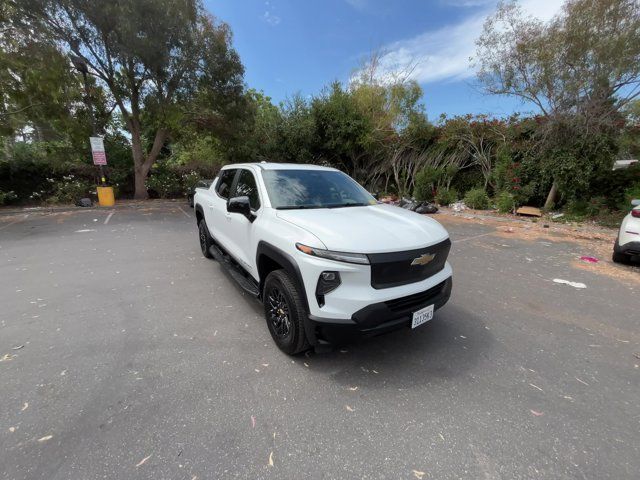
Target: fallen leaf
x,y
12,429
306,364
7,357
537,414
270,459
535,386
265,364
44,439
25,406
418,474
142,462
375,371
441,436
582,381
253,421
353,389
18,347
63,373
257,371
349,408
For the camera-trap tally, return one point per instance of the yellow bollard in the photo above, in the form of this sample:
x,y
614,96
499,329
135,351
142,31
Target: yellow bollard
x,y
106,197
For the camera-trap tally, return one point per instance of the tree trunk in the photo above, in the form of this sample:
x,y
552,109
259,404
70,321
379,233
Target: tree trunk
x,y
551,198
140,176
142,163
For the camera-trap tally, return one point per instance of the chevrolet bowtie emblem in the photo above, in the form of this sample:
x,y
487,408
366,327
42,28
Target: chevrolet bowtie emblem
x,y
423,259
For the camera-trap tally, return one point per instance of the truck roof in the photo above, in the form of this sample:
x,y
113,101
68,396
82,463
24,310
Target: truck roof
x,y
278,166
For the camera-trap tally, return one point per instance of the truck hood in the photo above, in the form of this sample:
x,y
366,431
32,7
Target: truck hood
x,y
371,229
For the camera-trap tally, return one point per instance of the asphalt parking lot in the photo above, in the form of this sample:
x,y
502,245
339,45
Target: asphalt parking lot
x,y
125,354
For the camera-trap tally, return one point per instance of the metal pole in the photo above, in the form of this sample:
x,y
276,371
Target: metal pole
x,y
92,117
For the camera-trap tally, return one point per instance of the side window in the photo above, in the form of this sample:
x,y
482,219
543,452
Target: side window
x,y
224,184
247,186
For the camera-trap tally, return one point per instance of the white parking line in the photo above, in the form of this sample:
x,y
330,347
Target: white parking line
x,y
109,216
185,213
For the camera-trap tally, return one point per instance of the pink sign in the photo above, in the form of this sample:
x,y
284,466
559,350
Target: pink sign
x,y
99,158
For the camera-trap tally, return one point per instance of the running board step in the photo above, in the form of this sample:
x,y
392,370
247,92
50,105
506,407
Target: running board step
x,y
249,285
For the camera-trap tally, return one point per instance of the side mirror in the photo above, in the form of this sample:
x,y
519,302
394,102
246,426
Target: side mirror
x,y
240,205
635,202
376,195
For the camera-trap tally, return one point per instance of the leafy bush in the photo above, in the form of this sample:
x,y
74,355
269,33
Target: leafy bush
x,y
587,208
505,202
6,197
424,183
477,198
164,182
630,193
446,196
190,181
68,189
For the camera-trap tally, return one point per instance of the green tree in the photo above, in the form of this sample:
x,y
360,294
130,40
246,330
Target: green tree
x,y
579,69
155,58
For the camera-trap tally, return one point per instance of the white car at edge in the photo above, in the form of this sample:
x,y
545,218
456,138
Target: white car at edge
x,y
628,242
328,262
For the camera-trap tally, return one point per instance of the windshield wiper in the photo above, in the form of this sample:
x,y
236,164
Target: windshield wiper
x,y
343,205
296,207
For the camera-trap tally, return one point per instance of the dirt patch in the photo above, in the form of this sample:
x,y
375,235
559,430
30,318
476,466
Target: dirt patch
x,y
593,241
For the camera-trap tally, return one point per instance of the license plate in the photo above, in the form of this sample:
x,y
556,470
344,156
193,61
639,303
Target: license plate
x,y
421,316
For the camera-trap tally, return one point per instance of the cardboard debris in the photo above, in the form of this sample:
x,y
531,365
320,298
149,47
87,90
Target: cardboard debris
x,y
531,211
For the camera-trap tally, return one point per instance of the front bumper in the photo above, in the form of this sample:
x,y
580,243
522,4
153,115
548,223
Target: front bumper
x,y
377,318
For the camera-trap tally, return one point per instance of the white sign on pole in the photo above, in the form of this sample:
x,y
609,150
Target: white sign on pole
x,y
97,151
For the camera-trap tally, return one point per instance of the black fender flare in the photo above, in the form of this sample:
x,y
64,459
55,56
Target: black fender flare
x,y
199,208
291,267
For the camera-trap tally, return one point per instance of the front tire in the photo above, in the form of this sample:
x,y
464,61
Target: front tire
x,y
285,312
206,242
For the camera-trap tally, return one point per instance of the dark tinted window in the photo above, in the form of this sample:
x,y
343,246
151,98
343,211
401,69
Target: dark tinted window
x,y
314,189
247,186
224,183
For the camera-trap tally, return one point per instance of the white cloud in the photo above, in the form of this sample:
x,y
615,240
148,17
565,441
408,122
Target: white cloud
x,y
357,4
271,18
269,15
444,53
466,3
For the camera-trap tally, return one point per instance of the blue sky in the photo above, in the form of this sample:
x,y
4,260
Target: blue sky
x,y
290,46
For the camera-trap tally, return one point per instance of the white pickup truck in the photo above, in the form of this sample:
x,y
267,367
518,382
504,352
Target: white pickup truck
x,y
328,262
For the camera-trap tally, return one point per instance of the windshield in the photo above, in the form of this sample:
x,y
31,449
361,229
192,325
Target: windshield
x,y
292,189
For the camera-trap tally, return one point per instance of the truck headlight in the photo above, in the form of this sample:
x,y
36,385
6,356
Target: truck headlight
x,y
347,257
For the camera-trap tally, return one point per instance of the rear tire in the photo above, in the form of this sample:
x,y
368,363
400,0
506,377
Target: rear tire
x,y
285,313
206,242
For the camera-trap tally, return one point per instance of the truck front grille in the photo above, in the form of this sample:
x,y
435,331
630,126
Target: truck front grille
x,y
401,268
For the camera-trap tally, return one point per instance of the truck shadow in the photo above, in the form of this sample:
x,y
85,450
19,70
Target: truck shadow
x,y
450,345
